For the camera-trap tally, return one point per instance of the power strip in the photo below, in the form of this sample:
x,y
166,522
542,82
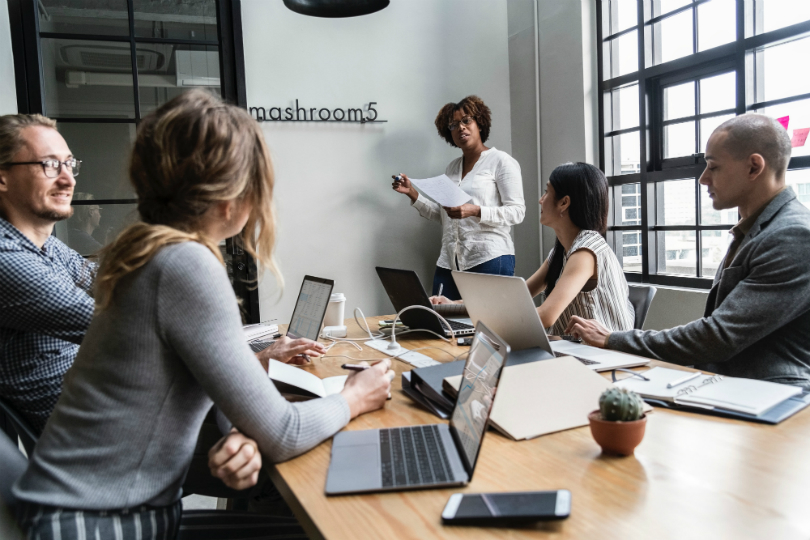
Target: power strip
x,y
411,357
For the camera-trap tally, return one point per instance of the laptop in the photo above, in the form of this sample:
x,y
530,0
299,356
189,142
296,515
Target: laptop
x,y
505,305
427,456
404,289
310,308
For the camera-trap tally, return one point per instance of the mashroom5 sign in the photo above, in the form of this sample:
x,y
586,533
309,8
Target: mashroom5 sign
x,y
367,114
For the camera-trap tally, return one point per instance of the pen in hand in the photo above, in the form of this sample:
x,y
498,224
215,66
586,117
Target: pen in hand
x,y
354,367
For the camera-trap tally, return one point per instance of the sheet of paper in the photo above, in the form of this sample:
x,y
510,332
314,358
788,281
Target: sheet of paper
x,y
442,190
785,120
799,137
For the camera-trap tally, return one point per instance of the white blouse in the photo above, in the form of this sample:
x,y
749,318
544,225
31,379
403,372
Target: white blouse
x,y
495,184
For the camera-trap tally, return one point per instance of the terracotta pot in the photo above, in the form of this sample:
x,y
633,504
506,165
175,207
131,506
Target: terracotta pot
x,y
617,437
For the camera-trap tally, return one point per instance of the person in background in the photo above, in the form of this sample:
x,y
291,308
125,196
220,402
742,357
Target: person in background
x,y
115,451
581,276
85,220
757,319
476,235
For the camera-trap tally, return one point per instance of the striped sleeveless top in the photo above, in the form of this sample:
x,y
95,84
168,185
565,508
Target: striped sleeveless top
x,y
608,302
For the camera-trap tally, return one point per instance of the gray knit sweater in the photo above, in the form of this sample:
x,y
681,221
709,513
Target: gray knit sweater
x,y
125,427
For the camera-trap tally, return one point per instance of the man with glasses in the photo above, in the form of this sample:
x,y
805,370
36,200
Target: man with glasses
x,y
45,302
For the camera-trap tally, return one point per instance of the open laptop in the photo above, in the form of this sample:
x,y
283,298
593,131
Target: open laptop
x,y
505,305
433,455
404,289
310,308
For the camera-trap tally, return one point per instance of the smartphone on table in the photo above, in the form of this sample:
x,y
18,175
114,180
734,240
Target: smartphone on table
x,y
506,508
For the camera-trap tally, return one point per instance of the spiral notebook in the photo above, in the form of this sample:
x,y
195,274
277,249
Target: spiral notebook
x,y
747,396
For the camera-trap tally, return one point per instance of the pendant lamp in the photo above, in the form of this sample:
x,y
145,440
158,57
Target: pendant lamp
x,y
336,8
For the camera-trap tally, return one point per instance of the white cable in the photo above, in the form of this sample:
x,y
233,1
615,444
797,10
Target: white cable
x,y
367,329
394,344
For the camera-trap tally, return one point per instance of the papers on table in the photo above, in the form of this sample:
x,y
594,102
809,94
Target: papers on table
x,y
442,190
729,393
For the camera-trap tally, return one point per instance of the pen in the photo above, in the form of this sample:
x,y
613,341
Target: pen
x,y
354,367
682,380
441,288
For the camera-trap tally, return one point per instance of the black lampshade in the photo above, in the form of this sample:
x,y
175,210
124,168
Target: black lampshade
x,y
336,8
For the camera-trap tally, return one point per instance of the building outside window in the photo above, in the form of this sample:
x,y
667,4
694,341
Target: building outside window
x,y
671,71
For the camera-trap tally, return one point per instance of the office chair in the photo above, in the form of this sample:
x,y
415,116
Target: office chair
x,y
641,297
24,430
194,524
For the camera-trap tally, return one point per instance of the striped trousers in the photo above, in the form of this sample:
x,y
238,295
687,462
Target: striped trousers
x,y
141,523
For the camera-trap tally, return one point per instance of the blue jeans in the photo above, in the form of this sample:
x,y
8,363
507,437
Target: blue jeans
x,y
500,266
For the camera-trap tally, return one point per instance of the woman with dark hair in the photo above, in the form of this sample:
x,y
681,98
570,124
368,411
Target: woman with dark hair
x,y
582,275
475,235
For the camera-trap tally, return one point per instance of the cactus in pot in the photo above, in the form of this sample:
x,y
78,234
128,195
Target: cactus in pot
x,y
618,425
620,405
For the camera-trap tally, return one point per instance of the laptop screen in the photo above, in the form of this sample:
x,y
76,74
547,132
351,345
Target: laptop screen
x,y
310,308
476,394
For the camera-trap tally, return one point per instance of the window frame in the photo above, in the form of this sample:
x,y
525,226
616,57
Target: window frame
x,y
733,56
30,86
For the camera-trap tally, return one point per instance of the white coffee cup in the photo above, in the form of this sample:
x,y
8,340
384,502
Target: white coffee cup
x,y
335,310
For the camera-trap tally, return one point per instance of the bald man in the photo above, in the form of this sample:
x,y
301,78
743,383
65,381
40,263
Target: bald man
x,y
757,318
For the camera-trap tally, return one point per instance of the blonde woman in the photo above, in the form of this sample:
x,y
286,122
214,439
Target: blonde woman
x,y
166,340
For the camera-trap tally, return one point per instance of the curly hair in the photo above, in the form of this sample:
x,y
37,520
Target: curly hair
x,y
472,105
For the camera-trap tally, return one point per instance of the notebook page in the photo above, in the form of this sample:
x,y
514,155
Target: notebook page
x,y
656,387
743,395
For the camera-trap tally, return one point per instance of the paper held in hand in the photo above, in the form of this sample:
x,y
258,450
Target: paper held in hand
x,y
293,381
442,190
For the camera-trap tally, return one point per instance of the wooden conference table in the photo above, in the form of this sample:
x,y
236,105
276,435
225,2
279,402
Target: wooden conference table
x,y
693,476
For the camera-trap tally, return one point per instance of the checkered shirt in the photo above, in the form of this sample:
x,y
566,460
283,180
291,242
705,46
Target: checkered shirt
x,y
45,309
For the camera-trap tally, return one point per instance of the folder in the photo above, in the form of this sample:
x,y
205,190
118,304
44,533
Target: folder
x,y
538,398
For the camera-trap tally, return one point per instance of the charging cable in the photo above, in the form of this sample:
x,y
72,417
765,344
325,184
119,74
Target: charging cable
x,y
394,345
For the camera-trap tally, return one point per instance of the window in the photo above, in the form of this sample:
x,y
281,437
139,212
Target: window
x,y
97,68
671,71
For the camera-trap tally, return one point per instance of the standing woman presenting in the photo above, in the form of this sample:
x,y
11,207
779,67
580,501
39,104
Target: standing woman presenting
x,y
475,235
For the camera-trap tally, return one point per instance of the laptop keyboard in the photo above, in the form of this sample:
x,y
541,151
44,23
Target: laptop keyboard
x,y
412,456
259,346
583,360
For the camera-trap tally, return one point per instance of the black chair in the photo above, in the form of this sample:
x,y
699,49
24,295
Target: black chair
x,y
641,297
28,436
194,524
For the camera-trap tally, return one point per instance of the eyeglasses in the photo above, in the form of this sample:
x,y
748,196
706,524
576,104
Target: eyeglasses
x,y
452,126
52,167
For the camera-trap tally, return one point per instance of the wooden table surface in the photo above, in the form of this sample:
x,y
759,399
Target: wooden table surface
x,y
693,476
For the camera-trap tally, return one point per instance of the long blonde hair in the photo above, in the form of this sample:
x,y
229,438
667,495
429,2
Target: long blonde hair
x,y
190,154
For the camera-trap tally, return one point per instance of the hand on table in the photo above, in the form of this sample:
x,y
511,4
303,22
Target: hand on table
x,y
590,331
463,211
290,351
236,460
367,390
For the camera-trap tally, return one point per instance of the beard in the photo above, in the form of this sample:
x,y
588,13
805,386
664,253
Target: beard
x,y
54,215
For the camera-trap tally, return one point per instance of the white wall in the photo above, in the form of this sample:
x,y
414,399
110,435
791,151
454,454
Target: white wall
x,y
337,214
8,89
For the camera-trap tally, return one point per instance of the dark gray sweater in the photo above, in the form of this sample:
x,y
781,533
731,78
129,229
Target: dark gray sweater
x,y
757,319
125,427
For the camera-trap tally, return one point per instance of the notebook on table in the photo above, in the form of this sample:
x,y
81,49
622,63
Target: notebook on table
x,y
715,394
